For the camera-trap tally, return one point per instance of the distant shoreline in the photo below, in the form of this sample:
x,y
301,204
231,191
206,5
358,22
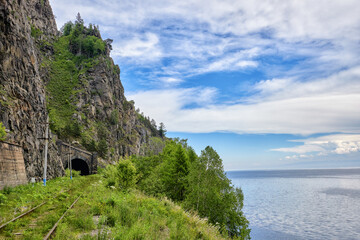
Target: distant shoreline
x,y
291,169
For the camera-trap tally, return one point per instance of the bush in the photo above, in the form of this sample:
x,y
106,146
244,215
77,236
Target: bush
x,y
35,32
114,117
2,198
7,190
74,173
102,148
126,174
2,132
109,174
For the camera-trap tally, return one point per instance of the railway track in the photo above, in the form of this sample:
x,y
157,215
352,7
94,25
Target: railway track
x,y
40,222
29,211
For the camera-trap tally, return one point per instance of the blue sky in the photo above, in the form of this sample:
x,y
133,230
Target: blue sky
x,y
269,84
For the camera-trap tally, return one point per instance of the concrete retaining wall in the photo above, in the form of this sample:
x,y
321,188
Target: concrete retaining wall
x,y
12,166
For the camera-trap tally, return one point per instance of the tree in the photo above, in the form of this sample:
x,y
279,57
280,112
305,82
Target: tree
x,y
92,146
67,28
175,169
153,123
2,132
191,155
210,193
162,130
102,148
79,20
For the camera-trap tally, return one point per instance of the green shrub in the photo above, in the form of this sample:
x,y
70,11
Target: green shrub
x,y
88,141
102,148
35,32
2,132
2,198
126,174
110,174
7,190
114,118
110,220
74,173
110,202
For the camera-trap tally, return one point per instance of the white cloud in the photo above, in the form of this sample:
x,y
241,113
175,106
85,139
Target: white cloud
x,y
346,82
204,34
322,106
146,48
170,81
337,112
324,145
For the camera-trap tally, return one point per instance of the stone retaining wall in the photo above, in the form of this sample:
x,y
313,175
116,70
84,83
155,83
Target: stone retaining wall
x,y
12,166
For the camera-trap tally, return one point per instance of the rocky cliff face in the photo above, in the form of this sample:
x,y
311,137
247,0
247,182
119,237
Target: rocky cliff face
x,y
22,99
27,36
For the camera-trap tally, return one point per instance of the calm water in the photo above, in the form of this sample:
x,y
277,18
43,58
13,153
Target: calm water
x,y
301,204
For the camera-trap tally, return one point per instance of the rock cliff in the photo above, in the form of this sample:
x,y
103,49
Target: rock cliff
x,y
82,94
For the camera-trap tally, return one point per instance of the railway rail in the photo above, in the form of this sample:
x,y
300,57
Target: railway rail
x,y
28,214
52,230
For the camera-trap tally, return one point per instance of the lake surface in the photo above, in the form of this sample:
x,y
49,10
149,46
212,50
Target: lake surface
x,y
301,204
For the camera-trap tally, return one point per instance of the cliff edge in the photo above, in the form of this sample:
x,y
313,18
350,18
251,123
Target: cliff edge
x,y
68,76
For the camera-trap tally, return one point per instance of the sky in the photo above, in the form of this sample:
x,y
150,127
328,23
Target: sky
x,y
269,84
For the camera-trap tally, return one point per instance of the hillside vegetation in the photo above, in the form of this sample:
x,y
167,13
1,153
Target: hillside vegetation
x,y
85,97
197,183
171,195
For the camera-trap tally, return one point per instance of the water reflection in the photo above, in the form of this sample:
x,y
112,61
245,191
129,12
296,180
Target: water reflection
x,y
308,205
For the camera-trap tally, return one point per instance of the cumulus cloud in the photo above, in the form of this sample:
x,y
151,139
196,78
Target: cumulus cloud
x,y
185,38
205,34
142,48
325,105
324,146
346,82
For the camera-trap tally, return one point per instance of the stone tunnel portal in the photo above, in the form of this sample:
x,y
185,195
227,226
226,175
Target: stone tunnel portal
x,y
80,165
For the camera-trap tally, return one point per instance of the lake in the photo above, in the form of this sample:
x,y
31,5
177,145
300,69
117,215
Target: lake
x,y
301,204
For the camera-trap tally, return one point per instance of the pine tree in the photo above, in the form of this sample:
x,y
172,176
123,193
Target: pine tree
x,y
162,130
79,20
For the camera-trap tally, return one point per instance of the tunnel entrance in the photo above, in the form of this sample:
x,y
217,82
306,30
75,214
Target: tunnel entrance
x,y
80,165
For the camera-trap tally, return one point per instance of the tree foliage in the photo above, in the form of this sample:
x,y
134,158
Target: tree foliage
x,y
198,183
102,148
175,171
162,130
123,175
126,174
67,28
83,40
79,20
75,52
211,194
150,124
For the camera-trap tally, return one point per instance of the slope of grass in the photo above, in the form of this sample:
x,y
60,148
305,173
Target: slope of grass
x,y
107,213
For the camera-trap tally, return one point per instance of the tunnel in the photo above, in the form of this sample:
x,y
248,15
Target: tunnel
x,y
80,165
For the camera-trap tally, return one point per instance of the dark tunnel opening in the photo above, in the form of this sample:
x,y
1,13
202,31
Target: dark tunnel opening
x,y
80,165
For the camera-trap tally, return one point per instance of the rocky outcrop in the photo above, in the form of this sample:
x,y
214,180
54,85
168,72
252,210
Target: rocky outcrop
x,y
22,99
102,100
27,34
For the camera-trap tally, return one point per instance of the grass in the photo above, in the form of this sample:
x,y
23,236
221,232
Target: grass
x,y
58,195
101,213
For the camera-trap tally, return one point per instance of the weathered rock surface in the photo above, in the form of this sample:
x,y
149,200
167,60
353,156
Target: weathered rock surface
x,y
27,31
22,105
